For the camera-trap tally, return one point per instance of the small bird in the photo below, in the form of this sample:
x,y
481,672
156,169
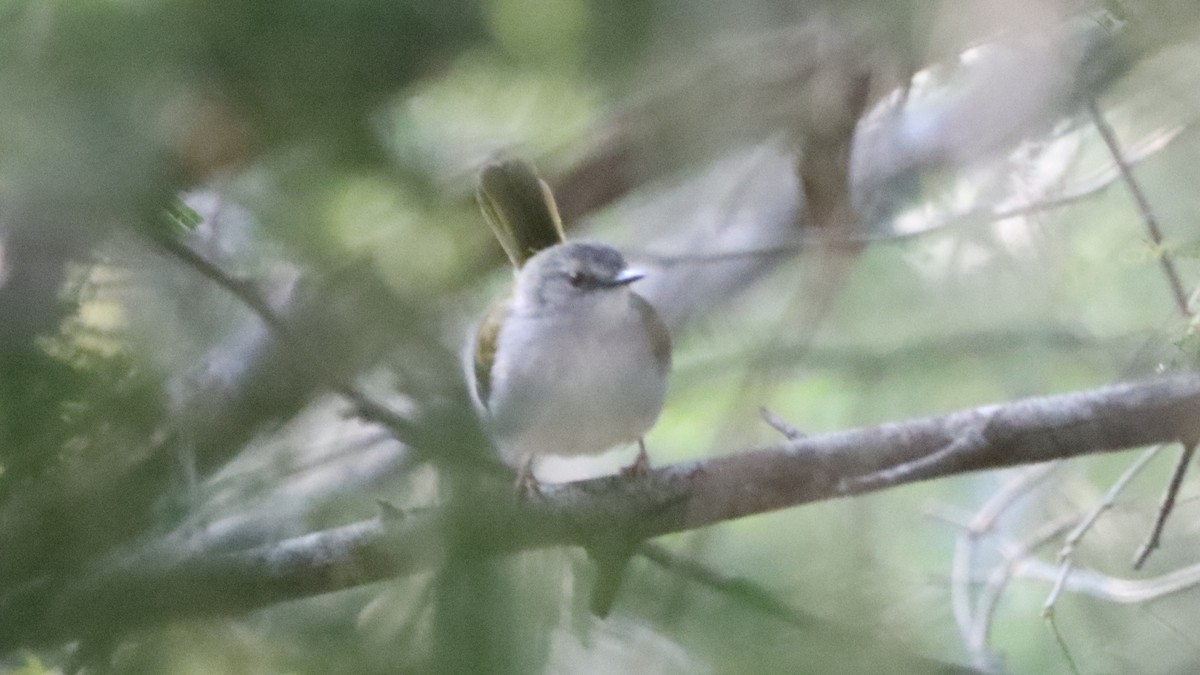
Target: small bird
x,y
573,361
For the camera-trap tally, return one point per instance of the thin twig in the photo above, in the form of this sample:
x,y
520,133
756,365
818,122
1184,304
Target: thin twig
x,y
973,529
1062,644
1114,589
781,425
1167,505
250,296
1080,191
1110,498
996,505
961,564
970,442
1143,206
998,580
1181,302
1107,502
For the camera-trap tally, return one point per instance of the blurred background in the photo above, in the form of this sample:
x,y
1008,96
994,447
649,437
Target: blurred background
x,y
221,222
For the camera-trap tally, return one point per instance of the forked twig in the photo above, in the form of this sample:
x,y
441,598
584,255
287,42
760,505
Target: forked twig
x,y
993,591
1181,302
1110,498
969,612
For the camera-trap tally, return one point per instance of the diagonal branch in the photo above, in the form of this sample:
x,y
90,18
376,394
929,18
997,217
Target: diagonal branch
x,y
1143,206
1167,505
249,296
141,591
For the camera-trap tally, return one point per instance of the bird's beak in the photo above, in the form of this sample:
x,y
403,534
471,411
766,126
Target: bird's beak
x,y
627,276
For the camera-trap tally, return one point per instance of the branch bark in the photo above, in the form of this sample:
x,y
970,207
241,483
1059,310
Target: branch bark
x,y
143,590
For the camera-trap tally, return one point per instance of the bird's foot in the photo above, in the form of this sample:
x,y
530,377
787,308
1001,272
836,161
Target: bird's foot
x,y
527,484
640,466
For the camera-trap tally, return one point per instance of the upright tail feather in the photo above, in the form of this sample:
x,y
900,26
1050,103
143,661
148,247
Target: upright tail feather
x,y
519,207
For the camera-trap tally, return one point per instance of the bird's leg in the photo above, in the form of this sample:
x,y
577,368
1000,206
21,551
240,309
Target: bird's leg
x,y
527,483
641,464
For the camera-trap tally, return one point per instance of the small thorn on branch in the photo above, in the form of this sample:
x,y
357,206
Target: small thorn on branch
x,y
781,425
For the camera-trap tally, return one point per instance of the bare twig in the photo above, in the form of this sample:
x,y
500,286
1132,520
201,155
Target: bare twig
x,y
993,590
1107,502
1181,303
1167,505
781,425
1003,499
1143,206
966,444
1062,644
965,546
1114,589
1110,498
1080,190
248,294
961,566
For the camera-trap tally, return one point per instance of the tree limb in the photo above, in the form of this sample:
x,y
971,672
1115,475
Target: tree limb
x,y
140,591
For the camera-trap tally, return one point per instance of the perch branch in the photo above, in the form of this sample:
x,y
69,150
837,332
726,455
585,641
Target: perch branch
x,y
140,591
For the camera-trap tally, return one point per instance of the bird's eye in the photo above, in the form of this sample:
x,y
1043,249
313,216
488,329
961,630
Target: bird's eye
x,y
575,278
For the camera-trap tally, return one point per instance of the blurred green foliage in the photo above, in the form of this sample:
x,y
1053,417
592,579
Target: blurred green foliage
x,y
140,401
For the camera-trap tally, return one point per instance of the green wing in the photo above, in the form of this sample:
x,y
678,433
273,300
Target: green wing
x,y
486,340
519,207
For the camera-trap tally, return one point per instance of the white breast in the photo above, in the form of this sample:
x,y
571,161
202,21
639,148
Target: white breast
x,y
574,387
